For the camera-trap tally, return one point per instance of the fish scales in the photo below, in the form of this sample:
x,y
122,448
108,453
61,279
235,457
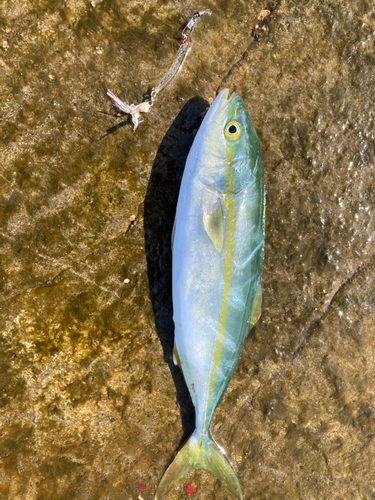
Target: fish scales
x,y
217,241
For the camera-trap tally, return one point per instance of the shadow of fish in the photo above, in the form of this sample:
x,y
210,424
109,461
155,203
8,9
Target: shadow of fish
x,y
217,244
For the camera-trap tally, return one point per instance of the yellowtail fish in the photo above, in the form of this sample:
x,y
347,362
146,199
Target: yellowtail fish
x,y
217,243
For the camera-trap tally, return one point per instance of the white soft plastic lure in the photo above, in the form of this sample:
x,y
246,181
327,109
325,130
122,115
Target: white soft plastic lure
x,y
217,244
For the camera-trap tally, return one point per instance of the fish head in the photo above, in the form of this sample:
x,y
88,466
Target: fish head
x,y
226,154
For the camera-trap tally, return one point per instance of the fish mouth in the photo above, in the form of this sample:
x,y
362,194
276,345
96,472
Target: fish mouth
x,y
223,97
220,105
218,108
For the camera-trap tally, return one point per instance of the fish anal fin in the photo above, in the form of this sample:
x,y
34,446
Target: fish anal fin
x,y
176,356
213,222
173,233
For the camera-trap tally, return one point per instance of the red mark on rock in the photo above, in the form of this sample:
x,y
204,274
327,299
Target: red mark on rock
x,y
141,486
29,102
192,386
190,488
73,124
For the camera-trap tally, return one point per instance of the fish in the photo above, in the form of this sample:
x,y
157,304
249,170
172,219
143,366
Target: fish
x,y
217,263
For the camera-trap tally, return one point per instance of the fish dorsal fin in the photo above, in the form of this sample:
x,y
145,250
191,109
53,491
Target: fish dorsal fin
x,y
257,307
213,221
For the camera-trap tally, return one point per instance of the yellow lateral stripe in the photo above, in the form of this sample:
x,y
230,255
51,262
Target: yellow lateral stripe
x,y
230,245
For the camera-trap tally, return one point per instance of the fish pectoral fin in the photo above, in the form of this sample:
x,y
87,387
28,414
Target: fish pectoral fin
x,y
214,223
257,307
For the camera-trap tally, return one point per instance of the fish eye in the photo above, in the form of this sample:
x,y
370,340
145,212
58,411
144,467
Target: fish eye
x,y
232,130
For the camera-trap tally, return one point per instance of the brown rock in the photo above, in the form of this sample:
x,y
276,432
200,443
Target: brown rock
x,y
91,404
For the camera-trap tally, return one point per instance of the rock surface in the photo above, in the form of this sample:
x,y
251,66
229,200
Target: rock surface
x,y
91,404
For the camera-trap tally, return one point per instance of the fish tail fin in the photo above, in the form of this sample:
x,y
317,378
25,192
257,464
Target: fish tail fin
x,y
199,453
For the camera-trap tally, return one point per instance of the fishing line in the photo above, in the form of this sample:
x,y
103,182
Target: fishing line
x,y
144,107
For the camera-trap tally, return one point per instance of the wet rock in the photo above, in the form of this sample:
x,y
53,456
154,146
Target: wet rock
x,y
91,404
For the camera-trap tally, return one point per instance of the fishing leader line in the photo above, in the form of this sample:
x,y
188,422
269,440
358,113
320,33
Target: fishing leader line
x,y
134,110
